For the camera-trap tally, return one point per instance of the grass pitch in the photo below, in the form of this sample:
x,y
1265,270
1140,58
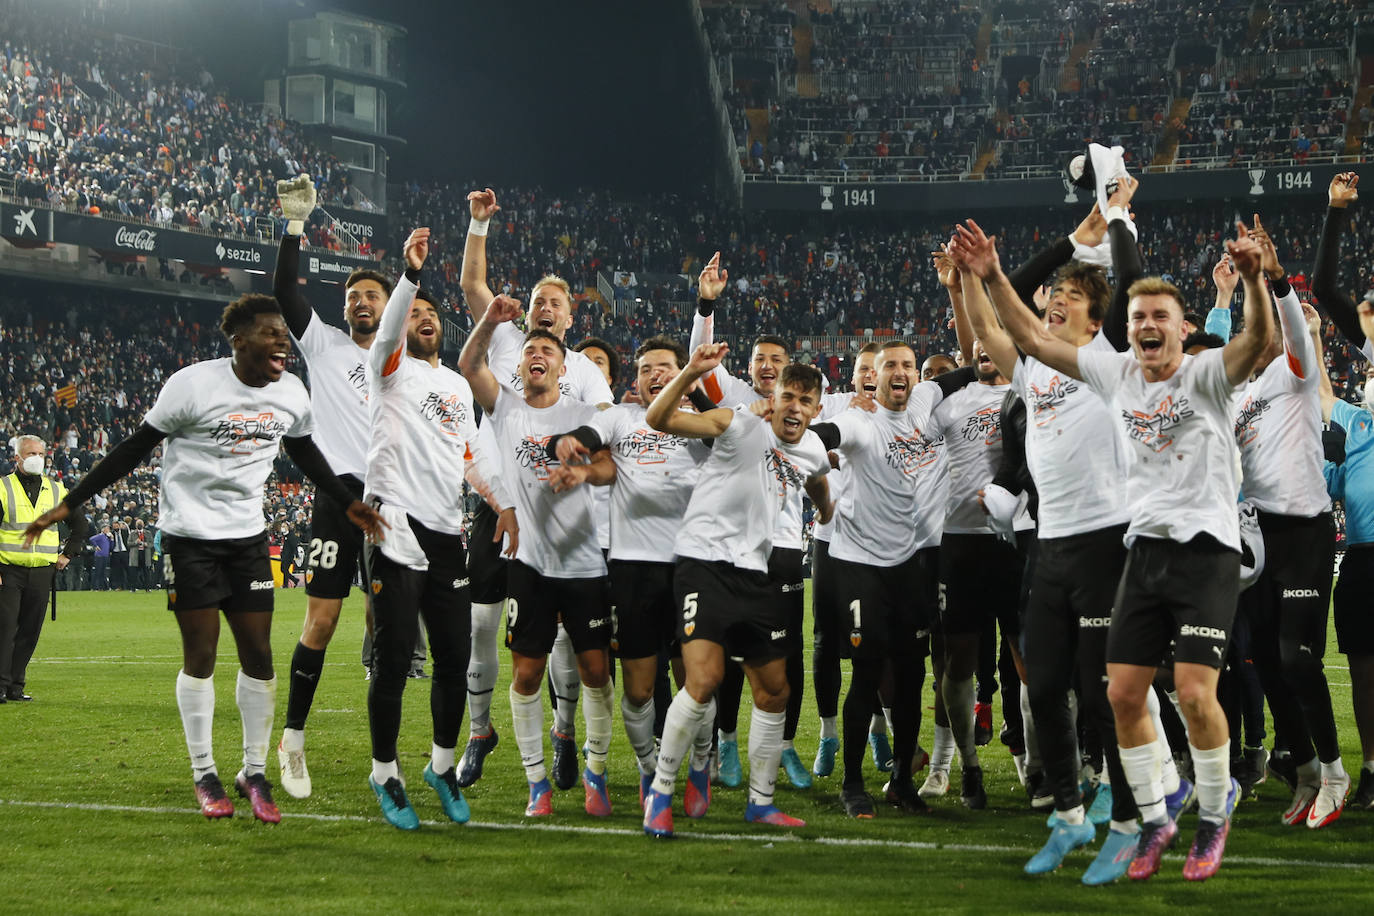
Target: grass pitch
x,y
97,815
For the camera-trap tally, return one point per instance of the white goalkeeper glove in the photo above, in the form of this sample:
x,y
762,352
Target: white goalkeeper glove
x,y
297,199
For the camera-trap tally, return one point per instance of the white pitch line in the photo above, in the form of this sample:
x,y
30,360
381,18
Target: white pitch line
x,y
765,838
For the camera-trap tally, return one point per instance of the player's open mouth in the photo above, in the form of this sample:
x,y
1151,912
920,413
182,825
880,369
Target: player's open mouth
x,y
896,386
870,388
791,423
1151,344
427,330
538,371
1057,316
655,388
362,312
277,361
544,321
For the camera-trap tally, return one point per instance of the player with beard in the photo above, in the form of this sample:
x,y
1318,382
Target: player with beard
x,y
770,355
422,434
651,476
729,606
884,559
1077,462
825,610
970,422
337,362
224,421
1181,576
558,570
550,309
1278,427
1354,633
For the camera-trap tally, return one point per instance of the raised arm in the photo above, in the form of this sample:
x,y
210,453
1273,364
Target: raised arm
x,y
978,309
1225,278
1126,263
389,346
481,206
950,279
980,253
1342,192
472,362
1242,353
664,414
1297,342
1314,331
297,200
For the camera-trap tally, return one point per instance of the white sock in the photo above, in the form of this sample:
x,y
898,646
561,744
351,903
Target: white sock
x,y
639,728
527,720
1128,827
440,759
384,770
829,728
1178,708
1310,773
598,712
1334,770
765,751
1028,731
196,700
1168,767
1212,776
959,699
942,755
729,736
1105,777
293,739
878,726
701,745
887,717
1368,766
483,666
257,704
1075,815
787,745
680,728
1142,772
566,683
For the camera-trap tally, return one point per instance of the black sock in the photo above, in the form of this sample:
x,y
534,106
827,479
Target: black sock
x,y
306,665
858,713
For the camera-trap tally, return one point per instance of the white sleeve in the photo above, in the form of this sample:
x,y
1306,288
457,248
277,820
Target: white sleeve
x,y
716,381
304,423
482,470
316,336
595,390
1297,343
1103,372
173,408
609,424
1214,382
388,347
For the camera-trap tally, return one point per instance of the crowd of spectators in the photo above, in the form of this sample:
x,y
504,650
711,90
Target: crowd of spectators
x,y
1268,119
95,124
1043,132
1295,26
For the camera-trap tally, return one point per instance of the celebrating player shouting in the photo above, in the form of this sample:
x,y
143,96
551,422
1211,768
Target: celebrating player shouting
x,y
721,582
224,421
1182,569
558,571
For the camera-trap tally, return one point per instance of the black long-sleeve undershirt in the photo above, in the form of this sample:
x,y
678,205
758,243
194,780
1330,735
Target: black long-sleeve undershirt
x,y
295,308
1013,473
311,461
1339,307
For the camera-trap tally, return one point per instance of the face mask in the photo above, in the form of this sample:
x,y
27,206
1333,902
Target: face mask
x,y
32,464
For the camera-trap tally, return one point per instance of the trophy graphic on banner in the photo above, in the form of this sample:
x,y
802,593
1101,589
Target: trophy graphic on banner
x,y
1070,192
1256,181
827,191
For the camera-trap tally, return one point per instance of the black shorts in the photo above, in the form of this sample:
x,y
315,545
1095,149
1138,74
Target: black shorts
x,y
643,610
1354,616
887,610
1077,576
980,579
231,575
399,593
827,611
737,608
336,546
486,566
789,590
536,603
1180,592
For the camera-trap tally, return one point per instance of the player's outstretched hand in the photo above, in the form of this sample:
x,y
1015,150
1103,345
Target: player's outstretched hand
x,y
1224,276
297,198
503,308
570,451
417,248
368,519
507,525
482,204
44,522
1245,252
978,250
712,281
706,358
1093,229
864,401
763,409
1269,253
1314,320
1125,189
945,268
1342,190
